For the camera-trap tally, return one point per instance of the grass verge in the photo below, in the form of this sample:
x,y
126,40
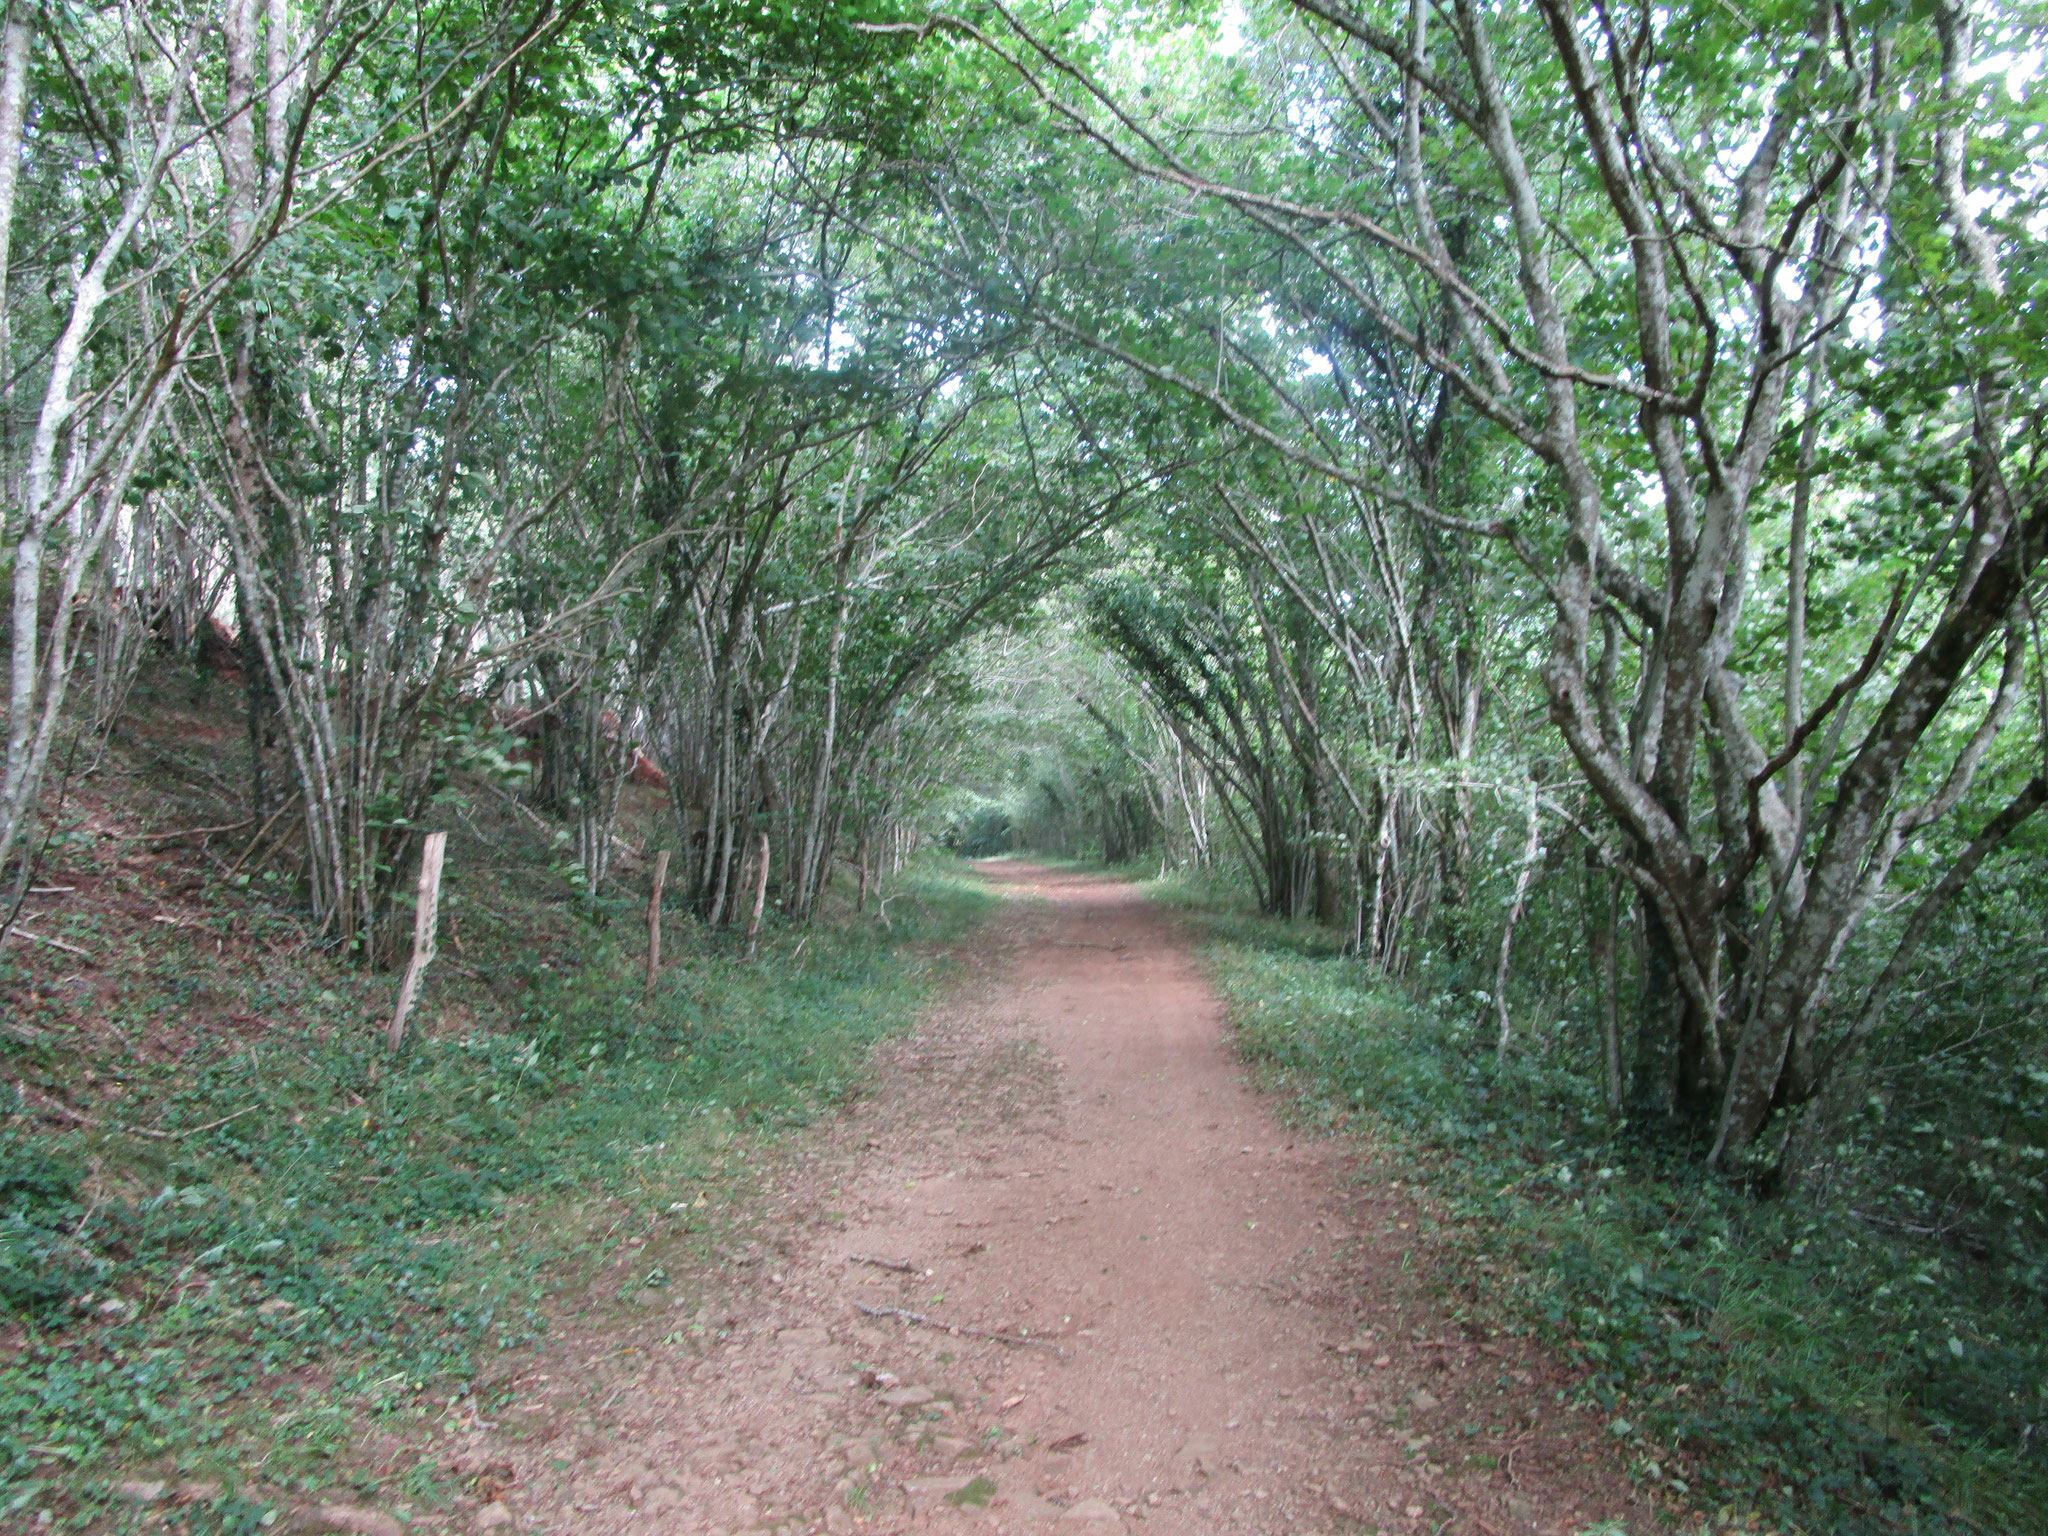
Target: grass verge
x,y
1776,1364
315,1240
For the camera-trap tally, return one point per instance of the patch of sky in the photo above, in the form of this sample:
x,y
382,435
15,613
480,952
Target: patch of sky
x,y
2019,66
1230,22
1316,119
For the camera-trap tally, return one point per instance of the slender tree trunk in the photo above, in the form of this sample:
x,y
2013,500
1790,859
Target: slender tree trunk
x,y
279,78
1795,572
14,54
32,707
1663,1026
1455,850
1524,873
242,428
818,836
1602,919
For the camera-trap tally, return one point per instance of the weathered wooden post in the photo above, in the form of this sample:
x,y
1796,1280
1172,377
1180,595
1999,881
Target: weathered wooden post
x,y
760,894
425,916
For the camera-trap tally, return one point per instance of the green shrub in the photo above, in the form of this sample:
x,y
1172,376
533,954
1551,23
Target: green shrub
x,y
39,1203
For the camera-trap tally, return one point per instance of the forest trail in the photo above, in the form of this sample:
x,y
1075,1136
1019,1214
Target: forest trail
x,y
1228,1336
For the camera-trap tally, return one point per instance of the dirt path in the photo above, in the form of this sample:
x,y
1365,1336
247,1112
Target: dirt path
x,y
1226,1333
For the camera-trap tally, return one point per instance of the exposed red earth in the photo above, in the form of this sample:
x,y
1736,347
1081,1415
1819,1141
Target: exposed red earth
x,y
1208,1325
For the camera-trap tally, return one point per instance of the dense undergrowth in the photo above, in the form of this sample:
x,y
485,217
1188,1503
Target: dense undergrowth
x,y
318,1239
1788,1359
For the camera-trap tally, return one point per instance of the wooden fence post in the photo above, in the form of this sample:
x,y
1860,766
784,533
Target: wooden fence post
x,y
654,919
424,921
760,894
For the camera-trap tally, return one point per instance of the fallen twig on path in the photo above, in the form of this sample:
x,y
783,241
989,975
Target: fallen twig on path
x,y
979,1333
43,938
263,832
211,1125
868,1258
1085,944
65,1112
172,837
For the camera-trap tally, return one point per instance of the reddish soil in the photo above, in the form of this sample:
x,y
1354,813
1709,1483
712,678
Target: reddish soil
x,y
1229,1329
